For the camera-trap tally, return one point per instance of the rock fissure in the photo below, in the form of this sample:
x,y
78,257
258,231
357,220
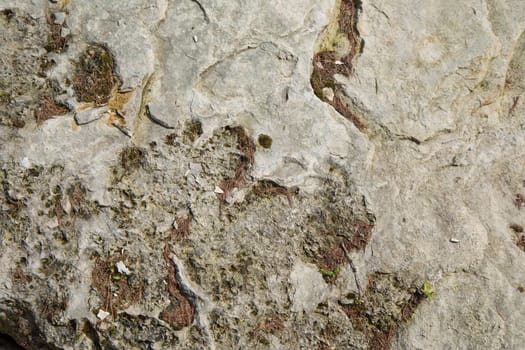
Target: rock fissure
x,y
338,46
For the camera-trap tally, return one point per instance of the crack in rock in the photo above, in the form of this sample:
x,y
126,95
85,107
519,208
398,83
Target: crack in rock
x,y
197,297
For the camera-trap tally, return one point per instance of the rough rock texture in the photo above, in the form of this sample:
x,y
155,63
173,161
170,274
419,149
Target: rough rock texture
x,y
271,174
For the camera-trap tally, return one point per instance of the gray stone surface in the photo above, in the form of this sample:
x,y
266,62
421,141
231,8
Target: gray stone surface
x,y
439,89
89,115
308,287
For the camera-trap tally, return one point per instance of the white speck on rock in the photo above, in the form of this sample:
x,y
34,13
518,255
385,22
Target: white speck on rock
x,y
101,315
25,163
59,18
121,268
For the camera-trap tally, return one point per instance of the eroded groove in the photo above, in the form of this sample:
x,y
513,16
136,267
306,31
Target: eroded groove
x,y
188,303
338,46
180,312
145,96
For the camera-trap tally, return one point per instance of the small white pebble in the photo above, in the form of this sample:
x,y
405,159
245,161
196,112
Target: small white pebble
x,y
25,163
454,240
65,32
338,62
218,190
102,314
59,18
195,38
121,268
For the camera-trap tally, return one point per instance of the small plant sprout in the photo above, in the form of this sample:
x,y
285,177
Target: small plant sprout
x,y
426,290
118,271
330,273
121,268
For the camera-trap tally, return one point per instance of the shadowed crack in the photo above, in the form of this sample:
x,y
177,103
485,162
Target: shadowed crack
x,y
204,13
198,299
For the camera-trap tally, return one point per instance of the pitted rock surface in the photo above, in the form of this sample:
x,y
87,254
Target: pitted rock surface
x,y
253,203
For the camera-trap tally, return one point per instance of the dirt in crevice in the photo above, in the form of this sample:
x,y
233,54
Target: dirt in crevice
x,y
269,188
334,257
117,290
179,313
386,305
326,64
26,91
247,148
57,40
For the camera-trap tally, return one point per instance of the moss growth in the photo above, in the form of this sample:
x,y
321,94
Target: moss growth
x,y
326,38
192,131
265,141
5,96
330,84
106,59
56,42
385,306
170,139
132,158
317,85
247,147
337,43
27,71
80,206
94,78
274,326
48,108
483,84
115,293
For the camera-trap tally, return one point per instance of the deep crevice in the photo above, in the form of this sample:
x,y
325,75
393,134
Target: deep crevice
x,y
8,343
327,63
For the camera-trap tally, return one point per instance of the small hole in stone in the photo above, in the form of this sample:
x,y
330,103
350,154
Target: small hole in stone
x,y
265,141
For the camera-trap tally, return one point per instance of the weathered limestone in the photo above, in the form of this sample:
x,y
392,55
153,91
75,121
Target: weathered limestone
x,y
320,234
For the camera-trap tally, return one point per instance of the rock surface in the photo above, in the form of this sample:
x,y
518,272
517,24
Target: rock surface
x,y
272,174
